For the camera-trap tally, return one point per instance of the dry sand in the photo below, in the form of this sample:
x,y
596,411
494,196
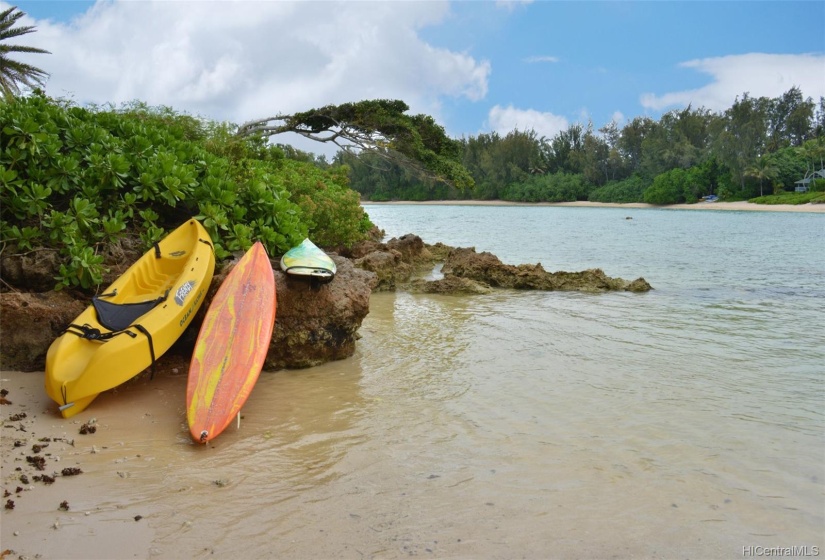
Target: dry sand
x,y
736,206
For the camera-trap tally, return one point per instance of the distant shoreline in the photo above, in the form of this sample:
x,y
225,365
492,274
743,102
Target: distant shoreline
x,y
732,206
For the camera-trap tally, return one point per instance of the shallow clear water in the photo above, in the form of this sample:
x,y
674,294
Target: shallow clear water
x,y
716,378
687,422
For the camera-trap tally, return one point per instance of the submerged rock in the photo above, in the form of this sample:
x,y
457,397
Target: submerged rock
x,y
400,264
450,284
486,267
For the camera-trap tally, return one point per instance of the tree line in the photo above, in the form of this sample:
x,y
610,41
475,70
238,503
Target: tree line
x,y
758,146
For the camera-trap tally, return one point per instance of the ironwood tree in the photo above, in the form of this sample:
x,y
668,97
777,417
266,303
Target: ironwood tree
x,y
380,127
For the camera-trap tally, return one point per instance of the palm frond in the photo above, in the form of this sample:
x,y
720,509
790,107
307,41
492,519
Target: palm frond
x,y
13,73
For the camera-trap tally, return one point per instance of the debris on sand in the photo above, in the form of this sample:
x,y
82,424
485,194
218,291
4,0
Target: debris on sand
x,y
89,427
38,462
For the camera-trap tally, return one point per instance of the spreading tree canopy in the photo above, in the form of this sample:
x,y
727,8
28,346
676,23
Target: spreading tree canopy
x,y
378,126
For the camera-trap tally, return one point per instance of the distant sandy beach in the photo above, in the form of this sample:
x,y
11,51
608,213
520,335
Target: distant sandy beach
x,y
731,206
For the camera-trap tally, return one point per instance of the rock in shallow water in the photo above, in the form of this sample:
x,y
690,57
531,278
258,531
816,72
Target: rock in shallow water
x,y
314,323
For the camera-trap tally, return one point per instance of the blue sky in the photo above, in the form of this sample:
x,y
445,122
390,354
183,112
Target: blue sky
x,y
474,66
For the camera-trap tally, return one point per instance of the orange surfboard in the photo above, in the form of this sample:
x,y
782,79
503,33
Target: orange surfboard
x,y
231,346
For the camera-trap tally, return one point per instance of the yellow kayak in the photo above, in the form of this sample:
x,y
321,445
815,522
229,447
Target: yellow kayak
x,y
133,322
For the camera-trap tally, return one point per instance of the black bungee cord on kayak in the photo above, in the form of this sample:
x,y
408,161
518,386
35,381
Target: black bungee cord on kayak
x,y
119,318
91,333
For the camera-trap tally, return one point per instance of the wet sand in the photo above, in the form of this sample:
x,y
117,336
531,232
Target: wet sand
x,y
730,206
60,484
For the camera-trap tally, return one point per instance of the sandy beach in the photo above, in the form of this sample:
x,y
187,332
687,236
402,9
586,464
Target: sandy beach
x,y
730,206
63,486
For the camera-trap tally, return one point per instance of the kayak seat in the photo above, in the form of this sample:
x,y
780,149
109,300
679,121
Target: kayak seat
x,y
120,316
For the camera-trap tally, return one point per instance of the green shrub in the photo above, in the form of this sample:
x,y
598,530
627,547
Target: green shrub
x,y
789,198
76,179
551,187
667,188
333,211
629,190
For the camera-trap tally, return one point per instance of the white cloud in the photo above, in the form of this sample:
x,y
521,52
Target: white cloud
x,y
535,59
506,119
511,5
239,61
760,75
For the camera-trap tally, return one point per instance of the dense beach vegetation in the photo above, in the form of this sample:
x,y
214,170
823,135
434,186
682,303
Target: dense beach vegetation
x,y
82,179
759,146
